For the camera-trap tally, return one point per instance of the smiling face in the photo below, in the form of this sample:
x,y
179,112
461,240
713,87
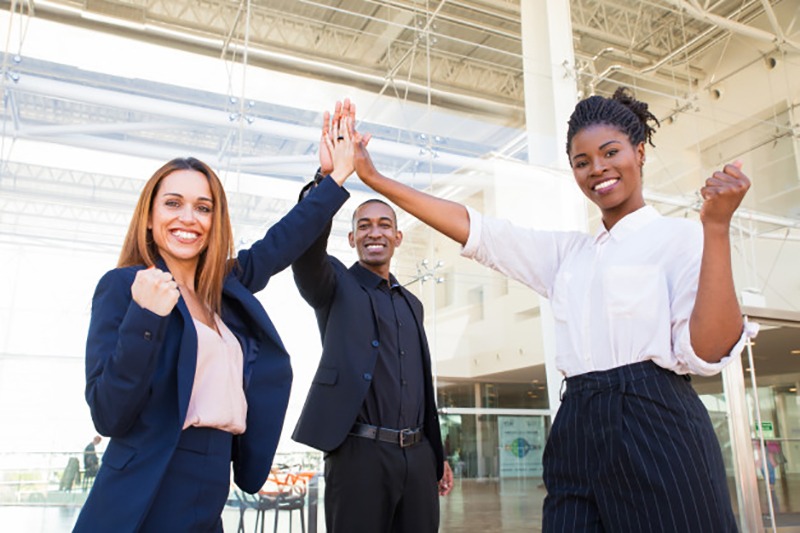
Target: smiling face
x,y
181,218
608,169
375,236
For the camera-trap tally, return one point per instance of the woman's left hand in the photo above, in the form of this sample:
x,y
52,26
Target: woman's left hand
x,y
722,194
341,146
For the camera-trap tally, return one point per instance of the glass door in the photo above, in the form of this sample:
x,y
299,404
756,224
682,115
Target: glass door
x,y
772,378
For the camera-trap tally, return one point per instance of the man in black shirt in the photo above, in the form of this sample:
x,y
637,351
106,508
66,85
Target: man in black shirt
x,y
371,406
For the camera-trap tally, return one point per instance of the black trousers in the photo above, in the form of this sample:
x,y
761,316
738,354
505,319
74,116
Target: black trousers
x,y
377,487
632,449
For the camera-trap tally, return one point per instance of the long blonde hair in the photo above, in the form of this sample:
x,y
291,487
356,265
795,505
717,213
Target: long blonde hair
x,y
216,261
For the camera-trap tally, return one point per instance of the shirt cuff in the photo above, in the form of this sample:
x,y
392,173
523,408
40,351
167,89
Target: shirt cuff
x,y
470,248
699,366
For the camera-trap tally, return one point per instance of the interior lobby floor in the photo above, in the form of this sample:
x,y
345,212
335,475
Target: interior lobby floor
x,y
474,506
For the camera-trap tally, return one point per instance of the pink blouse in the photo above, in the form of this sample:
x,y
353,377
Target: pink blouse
x,y
218,399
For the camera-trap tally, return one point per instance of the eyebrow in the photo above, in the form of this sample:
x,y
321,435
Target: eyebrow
x,y
367,219
179,195
612,141
608,142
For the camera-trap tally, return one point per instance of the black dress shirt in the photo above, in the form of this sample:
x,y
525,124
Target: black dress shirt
x,y
396,398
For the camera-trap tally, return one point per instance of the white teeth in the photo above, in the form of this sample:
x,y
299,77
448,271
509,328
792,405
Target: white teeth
x,y
605,184
184,234
374,246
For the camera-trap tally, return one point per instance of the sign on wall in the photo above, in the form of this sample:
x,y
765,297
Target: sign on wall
x,y
521,441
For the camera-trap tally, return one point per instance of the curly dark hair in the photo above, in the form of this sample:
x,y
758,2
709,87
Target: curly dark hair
x,y
622,111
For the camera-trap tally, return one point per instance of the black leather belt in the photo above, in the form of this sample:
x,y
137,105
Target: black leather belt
x,y
402,437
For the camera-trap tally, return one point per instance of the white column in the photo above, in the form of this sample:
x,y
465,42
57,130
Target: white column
x,y
479,432
739,428
550,97
548,60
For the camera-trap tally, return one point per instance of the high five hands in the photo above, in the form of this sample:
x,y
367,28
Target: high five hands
x,y
155,290
722,194
338,140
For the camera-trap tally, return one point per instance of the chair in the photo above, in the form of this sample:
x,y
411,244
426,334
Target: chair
x,y
289,491
290,500
260,503
87,480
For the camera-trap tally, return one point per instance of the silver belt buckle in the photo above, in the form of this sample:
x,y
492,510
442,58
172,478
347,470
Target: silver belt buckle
x,y
406,434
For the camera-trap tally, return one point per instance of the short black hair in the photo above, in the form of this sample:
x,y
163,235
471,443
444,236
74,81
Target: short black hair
x,y
371,201
622,111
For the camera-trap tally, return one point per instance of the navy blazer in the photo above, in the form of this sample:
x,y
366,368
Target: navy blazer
x,y
140,371
348,324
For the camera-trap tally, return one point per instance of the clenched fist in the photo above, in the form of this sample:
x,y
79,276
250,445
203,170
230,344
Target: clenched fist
x,y
722,194
155,290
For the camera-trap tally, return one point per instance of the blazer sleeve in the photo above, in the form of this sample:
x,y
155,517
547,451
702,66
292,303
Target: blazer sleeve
x,y
286,240
122,348
313,273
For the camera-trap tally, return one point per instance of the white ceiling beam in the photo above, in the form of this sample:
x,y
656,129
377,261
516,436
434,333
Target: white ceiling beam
x,y
189,114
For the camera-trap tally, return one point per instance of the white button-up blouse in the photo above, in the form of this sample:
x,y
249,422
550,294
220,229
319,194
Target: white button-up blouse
x,y
619,297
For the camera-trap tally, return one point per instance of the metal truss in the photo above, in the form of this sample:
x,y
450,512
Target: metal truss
x,y
657,41
467,56
468,47
54,201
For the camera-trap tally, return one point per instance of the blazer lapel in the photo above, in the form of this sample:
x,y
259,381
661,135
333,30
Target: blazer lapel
x,y
410,298
358,273
187,357
187,360
256,315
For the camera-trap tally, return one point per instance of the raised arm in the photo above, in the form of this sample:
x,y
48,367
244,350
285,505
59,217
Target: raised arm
x,y
313,273
127,328
449,218
716,321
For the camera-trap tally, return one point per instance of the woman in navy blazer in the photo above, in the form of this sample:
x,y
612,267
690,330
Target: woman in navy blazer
x,y
177,267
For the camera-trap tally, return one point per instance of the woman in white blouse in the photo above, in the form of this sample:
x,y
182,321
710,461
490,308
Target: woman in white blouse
x,y
638,306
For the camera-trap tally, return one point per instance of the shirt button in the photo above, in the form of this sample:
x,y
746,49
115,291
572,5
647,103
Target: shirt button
x,y
404,382
148,335
367,376
402,353
375,344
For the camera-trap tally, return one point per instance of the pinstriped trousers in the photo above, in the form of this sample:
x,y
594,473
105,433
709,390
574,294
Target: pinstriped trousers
x,y
632,449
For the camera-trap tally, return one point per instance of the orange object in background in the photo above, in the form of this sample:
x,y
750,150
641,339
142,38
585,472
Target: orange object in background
x,y
286,482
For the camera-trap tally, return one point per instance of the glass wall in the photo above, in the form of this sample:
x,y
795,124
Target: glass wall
x,y
772,380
